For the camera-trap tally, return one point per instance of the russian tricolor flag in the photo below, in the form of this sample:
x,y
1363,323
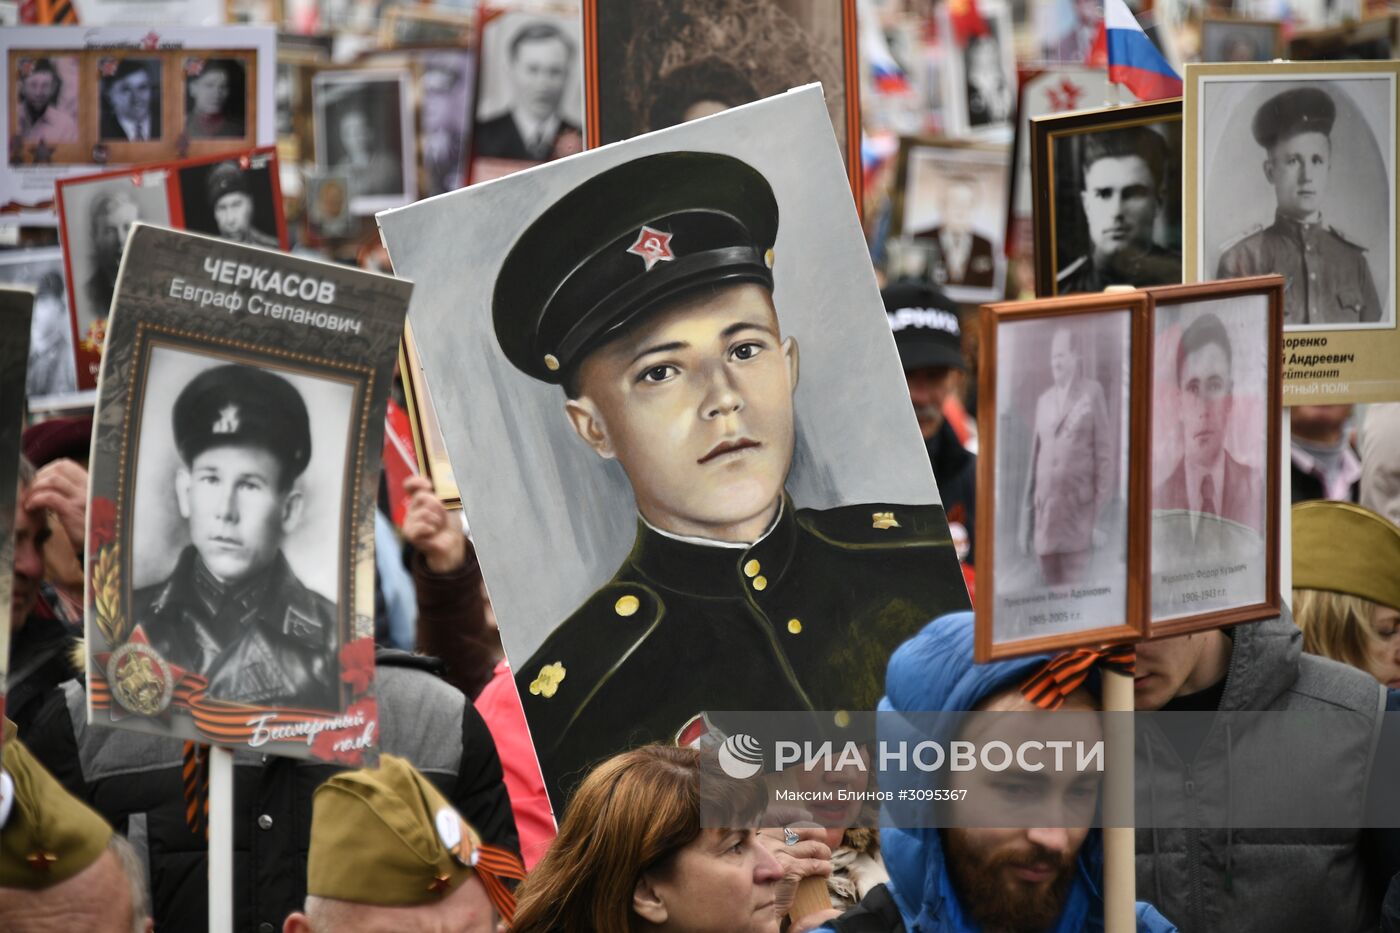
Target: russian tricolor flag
x,y
1132,58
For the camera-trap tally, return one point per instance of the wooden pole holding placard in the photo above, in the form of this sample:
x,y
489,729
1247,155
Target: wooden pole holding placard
x,y
220,840
1119,862
810,898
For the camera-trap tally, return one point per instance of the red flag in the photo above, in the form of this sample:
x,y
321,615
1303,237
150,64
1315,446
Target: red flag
x,y
400,460
1098,52
966,20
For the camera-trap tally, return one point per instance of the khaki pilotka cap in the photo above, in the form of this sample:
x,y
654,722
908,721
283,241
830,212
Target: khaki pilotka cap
x,y
388,837
48,835
1343,548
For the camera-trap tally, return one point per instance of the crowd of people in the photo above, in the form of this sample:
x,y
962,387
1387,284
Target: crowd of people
x,y
320,848
459,829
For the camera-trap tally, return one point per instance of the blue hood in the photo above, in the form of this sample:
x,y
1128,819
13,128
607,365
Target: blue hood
x,y
934,671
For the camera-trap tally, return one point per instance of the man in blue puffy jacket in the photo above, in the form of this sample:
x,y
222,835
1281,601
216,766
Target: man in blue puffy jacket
x,y
974,879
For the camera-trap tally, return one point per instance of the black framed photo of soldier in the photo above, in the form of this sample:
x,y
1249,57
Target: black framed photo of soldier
x,y
649,360
234,470
529,95
979,75
237,198
1060,473
15,307
951,194
1107,198
1291,169
650,64
364,126
1216,411
1232,39
51,364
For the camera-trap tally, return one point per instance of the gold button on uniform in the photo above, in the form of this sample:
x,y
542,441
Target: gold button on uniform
x,y
627,605
795,626
752,568
760,582
551,362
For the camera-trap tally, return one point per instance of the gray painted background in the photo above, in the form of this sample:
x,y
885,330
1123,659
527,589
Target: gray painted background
x,y
551,520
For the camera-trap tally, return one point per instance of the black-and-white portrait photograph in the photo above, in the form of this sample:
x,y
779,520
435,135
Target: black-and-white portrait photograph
x,y
1061,473
364,126
216,98
231,200
446,78
231,578
662,63
46,99
1298,178
954,198
130,105
529,107
51,366
328,205
979,78
1240,40
1210,440
1113,215
95,218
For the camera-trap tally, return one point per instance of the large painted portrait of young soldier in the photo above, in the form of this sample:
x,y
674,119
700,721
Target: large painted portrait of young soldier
x,y
695,484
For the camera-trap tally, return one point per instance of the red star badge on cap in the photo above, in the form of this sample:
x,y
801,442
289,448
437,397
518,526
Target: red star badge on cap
x,y
653,246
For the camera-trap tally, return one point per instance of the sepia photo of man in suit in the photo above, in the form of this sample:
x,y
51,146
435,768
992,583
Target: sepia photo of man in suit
x,y
967,256
1209,482
541,57
1072,468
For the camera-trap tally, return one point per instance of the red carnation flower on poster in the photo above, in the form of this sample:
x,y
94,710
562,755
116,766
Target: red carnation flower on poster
x,y
102,513
357,665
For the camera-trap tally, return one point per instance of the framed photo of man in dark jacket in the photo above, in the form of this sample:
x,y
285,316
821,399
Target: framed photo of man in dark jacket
x,y
1291,169
232,512
1059,473
1215,453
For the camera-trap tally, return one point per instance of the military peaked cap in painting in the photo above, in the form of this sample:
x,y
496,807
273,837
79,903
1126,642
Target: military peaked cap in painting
x,y
622,244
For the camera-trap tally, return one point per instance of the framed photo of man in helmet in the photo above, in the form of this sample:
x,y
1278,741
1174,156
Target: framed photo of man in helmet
x,y
232,509
664,376
1291,169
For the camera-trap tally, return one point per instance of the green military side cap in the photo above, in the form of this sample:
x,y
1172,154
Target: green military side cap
x,y
241,405
623,242
1343,548
1301,110
387,837
46,834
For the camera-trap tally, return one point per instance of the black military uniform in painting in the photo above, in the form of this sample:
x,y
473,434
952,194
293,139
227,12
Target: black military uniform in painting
x,y
1328,279
801,614
233,610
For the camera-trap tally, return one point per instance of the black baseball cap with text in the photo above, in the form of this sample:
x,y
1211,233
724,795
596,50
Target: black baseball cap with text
x,y
926,324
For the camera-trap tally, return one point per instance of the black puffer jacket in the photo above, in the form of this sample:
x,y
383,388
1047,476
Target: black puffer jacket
x,y
135,782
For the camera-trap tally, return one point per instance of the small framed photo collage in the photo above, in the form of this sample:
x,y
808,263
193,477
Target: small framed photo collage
x,y
1128,476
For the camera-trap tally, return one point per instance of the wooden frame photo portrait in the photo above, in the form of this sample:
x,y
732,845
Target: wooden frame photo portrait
x,y
1081,245
1062,433
1237,39
1215,408
648,64
948,197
